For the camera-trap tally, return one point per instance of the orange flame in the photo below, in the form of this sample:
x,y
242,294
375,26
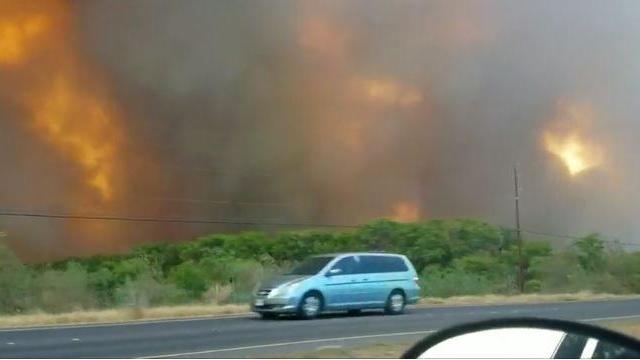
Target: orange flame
x,y
67,110
391,93
572,147
405,211
15,37
81,127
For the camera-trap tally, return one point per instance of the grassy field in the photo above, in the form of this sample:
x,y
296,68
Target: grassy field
x,y
166,312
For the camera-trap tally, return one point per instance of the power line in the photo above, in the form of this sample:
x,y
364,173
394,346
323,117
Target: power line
x,y
569,237
169,220
236,222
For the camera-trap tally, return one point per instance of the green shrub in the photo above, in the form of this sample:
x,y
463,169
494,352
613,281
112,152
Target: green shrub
x,y
145,291
15,282
191,278
64,290
533,286
458,257
454,282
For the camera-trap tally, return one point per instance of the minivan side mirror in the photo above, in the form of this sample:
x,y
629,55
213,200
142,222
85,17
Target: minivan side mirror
x,y
333,272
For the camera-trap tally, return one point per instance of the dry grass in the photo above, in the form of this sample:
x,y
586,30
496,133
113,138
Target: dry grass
x,y
167,312
520,299
374,351
120,315
630,327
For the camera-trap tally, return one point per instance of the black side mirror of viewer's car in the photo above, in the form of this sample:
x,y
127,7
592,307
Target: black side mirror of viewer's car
x,y
525,338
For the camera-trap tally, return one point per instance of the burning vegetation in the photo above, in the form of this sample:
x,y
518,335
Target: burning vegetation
x,y
406,211
62,97
568,142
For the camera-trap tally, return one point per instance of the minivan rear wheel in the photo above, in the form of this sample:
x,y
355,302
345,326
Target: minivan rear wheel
x,y
310,306
395,303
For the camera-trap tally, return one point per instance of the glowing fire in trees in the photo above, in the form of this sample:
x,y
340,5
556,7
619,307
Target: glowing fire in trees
x,y
569,143
391,93
63,96
405,211
15,36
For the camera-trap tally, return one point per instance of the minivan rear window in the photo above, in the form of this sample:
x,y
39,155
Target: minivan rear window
x,y
311,266
381,264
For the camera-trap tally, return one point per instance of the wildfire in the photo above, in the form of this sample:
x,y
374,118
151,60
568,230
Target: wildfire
x,y
572,147
405,211
15,36
76,124
391,93
66,109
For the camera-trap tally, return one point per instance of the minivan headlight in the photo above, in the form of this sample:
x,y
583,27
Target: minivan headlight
x,y
285,289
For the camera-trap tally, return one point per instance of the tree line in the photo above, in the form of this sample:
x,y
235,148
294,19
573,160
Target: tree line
x,y
453,257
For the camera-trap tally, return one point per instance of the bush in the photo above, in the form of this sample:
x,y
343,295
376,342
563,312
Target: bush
x,y
533,286
64,290
219,294
458,257
191,278
15,279
146,291
454,282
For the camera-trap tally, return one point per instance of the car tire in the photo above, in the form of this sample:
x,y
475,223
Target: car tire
x,y
396,303
268,316
310,306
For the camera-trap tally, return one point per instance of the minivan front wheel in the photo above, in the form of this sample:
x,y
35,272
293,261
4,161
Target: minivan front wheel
x,y
395,303
310,306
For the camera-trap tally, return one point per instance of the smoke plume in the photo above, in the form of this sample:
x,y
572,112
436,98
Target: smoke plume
x,y
314,112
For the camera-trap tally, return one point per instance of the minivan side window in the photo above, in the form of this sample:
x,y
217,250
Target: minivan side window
x,y
348,265
381,264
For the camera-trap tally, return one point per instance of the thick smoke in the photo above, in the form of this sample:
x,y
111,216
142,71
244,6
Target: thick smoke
x,y
245,110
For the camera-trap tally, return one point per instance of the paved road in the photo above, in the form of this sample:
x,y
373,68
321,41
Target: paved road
x,y
249,336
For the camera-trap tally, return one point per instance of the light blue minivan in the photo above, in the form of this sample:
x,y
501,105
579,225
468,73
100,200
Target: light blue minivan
x,y
340,282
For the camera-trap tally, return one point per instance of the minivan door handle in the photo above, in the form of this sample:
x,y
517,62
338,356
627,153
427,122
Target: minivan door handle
x,y
365,279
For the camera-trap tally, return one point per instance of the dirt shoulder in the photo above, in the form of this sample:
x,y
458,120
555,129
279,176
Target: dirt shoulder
x,y
521,299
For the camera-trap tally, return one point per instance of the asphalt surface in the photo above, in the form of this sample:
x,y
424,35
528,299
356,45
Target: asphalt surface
x,y
250,336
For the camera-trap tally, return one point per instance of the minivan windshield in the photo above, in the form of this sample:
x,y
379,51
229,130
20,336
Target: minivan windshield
x,y
311,266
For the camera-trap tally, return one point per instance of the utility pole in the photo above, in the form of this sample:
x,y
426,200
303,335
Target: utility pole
x,y
518,232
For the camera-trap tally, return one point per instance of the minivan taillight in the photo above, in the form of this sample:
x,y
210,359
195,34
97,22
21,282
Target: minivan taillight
x,y
415,278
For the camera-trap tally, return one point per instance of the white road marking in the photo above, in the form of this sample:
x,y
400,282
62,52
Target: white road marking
x,y
11,343
75,339
613,318
329,347
288,343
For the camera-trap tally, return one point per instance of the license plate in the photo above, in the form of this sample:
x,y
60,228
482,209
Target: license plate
x,y
259,302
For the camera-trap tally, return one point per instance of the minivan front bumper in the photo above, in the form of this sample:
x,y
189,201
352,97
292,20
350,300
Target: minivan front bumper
x,y
274,305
